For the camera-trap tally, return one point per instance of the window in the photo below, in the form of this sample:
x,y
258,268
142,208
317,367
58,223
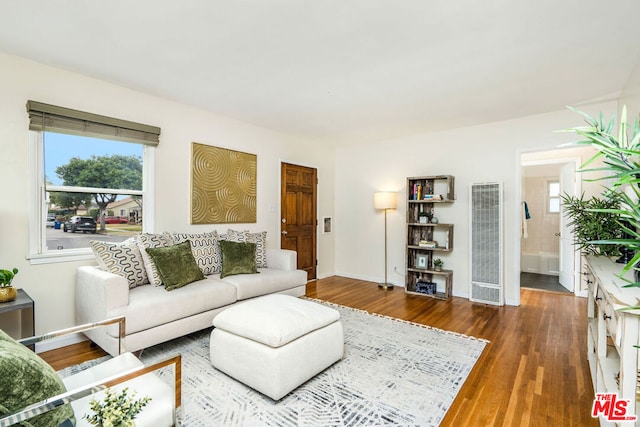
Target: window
x,y
553,193
91,179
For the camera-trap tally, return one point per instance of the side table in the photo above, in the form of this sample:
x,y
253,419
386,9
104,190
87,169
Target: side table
x,y
25,305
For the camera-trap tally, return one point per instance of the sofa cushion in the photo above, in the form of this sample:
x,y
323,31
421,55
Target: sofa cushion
x,y
26,379
268,281
123,259
238,258
176,265
150,306
147,240
260,239
205,248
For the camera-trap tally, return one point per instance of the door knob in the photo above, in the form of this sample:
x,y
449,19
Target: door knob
x,y
284,232
557,234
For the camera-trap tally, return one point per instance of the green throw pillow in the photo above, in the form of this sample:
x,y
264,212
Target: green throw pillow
x,y
176,265
238,258
26,379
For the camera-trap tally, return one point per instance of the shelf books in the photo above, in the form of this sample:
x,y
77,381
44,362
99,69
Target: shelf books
x,y
417,193
427,244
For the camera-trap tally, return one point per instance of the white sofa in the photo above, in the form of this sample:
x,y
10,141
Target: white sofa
x,y
154,315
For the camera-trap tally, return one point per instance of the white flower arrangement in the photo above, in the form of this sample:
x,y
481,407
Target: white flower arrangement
x,y
116,410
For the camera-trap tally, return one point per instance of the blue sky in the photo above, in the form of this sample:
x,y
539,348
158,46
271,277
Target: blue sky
x,y
60,148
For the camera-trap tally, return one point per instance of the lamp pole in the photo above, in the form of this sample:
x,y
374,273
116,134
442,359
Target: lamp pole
x,y
385,285
385,200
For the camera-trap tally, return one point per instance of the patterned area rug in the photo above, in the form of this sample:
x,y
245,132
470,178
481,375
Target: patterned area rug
x,y
393,373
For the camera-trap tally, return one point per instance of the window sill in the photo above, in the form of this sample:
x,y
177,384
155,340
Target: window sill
x,y
62,256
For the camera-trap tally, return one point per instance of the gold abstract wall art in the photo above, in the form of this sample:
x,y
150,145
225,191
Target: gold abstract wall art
x,y
223,185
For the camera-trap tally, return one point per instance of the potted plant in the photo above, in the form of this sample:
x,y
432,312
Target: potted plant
x,y
7,292
591,221
424,217
621,157
437,264
116,410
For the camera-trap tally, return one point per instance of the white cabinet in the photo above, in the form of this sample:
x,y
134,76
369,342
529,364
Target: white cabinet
x,y
613,334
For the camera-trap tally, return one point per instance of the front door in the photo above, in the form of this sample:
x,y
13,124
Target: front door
x,y
299,218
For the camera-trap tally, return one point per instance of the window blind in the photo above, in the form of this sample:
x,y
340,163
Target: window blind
x,y
46,117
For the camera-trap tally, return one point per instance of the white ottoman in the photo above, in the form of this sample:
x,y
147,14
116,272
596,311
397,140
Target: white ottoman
x,y
276,342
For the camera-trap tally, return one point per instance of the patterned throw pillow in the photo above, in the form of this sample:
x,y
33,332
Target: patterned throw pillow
x,y
123,259
148,240
260,239
205,248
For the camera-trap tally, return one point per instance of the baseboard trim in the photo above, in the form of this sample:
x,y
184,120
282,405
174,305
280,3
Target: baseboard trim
x,y
56,343
367,278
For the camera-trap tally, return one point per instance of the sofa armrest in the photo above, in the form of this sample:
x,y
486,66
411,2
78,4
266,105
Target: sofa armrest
x,y
282,259
98,292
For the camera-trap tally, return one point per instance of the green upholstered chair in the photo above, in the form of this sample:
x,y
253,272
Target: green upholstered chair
x,y
29,380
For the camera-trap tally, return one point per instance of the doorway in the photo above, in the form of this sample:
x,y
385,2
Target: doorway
x,y
548,259
299,219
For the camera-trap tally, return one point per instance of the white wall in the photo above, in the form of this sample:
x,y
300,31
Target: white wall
x,y
542,227
52,285
631,94
487,153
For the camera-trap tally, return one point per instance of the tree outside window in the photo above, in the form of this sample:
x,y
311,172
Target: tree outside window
x,y
84,177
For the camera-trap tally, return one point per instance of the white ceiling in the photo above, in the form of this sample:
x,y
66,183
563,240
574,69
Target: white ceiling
x,y
343,71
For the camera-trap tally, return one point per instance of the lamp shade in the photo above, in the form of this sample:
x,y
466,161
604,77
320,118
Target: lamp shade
x,y
384,200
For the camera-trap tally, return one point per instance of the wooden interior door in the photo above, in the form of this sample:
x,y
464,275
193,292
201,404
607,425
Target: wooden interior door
x,y
299,219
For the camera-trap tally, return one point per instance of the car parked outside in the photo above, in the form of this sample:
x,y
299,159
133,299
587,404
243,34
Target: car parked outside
x,y
51,220
116,220
80,223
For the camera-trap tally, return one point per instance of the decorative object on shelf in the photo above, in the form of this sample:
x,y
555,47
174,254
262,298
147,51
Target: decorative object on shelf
x,y
117,410
434,220
437,264
424,217
627,253
7,292
421,261
223,185
429,288
385,200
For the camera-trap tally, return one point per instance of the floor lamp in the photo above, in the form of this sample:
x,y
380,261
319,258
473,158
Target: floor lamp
x,y
385,200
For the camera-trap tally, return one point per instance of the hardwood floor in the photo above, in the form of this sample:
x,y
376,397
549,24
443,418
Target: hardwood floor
x,y
534,371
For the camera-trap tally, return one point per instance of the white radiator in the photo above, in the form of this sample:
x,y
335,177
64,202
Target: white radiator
x,y
486,243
